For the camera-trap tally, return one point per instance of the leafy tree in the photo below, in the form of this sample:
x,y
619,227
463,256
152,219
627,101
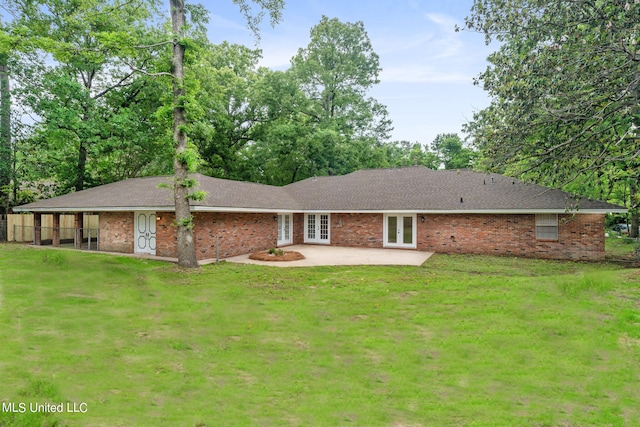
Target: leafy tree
x,y
565,87
319,120
228,109
286,146
450,151
335,71
76,58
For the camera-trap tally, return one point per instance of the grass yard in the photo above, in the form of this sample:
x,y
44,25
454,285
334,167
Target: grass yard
x,y
463,340
620,247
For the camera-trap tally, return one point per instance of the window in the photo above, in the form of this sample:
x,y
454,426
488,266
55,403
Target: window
x,y
547,226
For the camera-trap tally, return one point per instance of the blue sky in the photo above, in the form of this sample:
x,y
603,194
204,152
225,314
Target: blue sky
x,y
427,68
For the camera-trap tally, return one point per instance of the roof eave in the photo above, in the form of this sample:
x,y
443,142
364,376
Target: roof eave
x,y
470,211
290,210
151,209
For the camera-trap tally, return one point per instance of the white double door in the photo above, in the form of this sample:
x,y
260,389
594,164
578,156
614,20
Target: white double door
x,y
145,232
400,230
317,228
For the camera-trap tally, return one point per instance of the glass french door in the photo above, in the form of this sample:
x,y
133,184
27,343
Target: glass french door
x,y
284,229
400,230
317,228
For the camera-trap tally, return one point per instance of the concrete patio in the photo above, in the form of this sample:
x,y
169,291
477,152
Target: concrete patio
x,y
316,255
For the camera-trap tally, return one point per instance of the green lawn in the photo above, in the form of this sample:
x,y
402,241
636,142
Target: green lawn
x,y
620,247
463,340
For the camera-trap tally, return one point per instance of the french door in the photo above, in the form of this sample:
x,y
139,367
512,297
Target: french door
x,y
145,232
317,228
284,229
400,230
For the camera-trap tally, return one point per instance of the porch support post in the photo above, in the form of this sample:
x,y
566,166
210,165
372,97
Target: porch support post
x,y
37,229
77,239
55,240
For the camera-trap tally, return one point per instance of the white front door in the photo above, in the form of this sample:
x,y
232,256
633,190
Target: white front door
x,y
317,228
145,232
284,229
400,230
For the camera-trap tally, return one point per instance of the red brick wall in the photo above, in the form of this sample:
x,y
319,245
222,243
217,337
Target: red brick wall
x,y
361,230
238,234
166,236
580,237
116,231
298,229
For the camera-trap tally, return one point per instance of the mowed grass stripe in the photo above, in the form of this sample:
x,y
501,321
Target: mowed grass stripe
x,y
463,340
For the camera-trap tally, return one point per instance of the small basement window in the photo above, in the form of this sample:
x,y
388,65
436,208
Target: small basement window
x,y
547,226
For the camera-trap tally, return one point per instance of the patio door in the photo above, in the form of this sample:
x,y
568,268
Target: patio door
x,y
400,230
284,229
145,232
317,228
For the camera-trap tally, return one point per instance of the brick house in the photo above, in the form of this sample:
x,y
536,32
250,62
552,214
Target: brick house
x,y
408,208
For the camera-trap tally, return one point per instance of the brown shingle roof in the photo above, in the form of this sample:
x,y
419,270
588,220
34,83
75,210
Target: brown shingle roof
x,y
145,193
421,189
405,189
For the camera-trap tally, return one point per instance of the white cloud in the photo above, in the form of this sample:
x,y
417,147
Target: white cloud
x,y
442,20
435,53
386,44
448,44
217,22
277,52
423,74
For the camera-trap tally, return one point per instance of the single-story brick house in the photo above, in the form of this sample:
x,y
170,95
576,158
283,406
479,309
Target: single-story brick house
x,y
406,208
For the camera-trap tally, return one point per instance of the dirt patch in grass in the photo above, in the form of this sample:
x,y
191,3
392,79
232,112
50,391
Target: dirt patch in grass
x,y
286,256
627,261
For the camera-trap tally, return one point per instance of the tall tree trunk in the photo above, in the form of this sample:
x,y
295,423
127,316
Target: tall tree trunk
x,y
184,220
5,134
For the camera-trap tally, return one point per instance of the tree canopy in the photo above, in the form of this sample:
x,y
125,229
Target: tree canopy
x,y
77,67
565,88
319,118
100,105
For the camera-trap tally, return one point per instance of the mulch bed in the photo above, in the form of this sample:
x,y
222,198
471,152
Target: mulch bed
x,y
265,256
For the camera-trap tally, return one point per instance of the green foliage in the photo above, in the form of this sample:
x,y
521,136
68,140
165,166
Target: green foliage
x,y
197,196
318,118
254,17
185,222
95,111
190,158
227,109
564,85
449,149
275,252
188,182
